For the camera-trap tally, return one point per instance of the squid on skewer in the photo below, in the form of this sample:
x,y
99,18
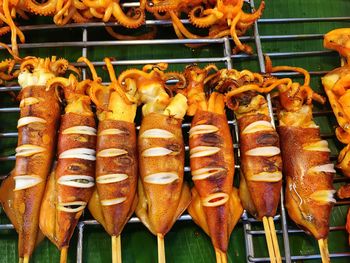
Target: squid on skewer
x,y
116,166
336,84
307,167
70,185
163,194
261,163
37,126
215,205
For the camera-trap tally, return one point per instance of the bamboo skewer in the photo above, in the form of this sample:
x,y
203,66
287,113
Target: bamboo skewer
x,y
221,257
64,255
161,248
323,245
26,259
116,249
271,240
274,239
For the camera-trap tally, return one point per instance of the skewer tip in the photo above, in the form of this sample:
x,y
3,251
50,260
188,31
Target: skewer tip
x,y
221,257
64,255
323,245
161,248
116,249
25,259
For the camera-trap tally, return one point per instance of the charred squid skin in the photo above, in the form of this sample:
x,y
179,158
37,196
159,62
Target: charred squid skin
x,y
75,173
116,176
161,171
305,183
27,200
212,169
261,163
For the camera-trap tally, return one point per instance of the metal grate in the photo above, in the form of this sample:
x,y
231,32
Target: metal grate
x,y
285,231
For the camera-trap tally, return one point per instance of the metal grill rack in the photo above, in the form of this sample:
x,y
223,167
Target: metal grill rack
x,y
285,231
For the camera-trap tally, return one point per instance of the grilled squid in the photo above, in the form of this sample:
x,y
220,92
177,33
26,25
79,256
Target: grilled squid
x,y
261,163
116,166
37,127
307,167
215,205
163,194
72,182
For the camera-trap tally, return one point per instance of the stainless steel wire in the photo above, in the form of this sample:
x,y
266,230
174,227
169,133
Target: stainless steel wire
x,y
85,44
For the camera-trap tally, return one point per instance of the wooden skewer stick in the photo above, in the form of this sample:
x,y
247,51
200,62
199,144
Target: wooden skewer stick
x,y
64,255
221,257
116,249
323,245
26,259
161,248
274,240
20,260
269,239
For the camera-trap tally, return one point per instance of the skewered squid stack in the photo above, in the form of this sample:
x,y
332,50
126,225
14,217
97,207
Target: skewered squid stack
x,y
261,164
309,172
116,166
215,205
71,183
37,126
336,85
163,194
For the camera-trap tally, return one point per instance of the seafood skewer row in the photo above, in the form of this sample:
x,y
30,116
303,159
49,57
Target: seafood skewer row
x,y
163,194
336,85
37,126
116,166
261,163
215,205
309,171
71,183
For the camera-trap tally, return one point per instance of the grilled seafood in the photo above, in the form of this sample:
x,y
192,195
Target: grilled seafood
x,y
338,40
215,205
163,194
116,166
309,172
261,164
70,185
39,117
226,17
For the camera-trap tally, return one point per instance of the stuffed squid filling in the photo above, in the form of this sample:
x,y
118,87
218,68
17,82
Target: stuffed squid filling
x,y
111,152
111,132
258,126
27,150
161,178
267,151
115,201
157,133
216,199
267,177
205,173
111,178
326,168
158,151
26,181
79,153
202,129
319,146
72,207
79,181
28,120
86,130
28,101
202,151
323,196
